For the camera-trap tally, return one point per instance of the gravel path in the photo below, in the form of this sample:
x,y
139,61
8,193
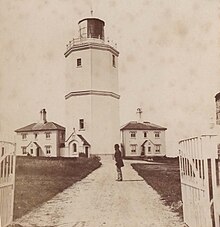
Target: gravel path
x,y
99,200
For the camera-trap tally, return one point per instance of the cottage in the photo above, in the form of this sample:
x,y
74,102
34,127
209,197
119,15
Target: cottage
x,y
40,139
143,138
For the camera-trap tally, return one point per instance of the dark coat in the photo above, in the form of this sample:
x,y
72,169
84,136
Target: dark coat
x,y
118,159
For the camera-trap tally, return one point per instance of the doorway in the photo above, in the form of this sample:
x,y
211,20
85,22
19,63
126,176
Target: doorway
x,y
87,151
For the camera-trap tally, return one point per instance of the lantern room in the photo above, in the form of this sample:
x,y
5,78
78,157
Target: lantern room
x,y
91,28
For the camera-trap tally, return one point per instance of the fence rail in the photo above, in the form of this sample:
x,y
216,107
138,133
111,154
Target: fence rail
x,y
7,182
199,173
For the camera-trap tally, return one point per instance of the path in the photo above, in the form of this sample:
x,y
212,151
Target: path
x,y
99,200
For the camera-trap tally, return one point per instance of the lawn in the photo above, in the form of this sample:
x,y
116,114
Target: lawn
x,y
38,179
165,179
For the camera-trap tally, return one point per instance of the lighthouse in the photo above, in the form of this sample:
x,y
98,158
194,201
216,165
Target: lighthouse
x,y
92,91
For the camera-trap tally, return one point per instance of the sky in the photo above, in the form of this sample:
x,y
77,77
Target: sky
x,y
168,63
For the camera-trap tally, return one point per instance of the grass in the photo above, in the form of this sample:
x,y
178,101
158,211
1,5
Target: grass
x,y
38,179
165,179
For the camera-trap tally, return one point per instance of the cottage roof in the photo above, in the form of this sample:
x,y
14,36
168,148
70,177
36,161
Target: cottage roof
x,y
85,142
134,125
40,127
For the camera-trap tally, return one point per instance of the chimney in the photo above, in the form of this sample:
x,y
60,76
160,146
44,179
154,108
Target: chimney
x,y
139,112
43,118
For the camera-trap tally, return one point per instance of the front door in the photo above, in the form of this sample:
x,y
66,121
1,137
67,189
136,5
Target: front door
x,y
87,151
38,152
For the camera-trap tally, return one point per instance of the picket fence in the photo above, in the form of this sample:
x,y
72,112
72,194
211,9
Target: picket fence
x,y
200,180
7,182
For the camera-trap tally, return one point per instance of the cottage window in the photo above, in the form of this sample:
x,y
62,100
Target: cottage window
x,y
218,151
149,150
3,151
23,150
157,135
62,135
133,134
48,149
157,150
145,134
79,62
81,124
113,61
133,148
24,136
47,135
74,148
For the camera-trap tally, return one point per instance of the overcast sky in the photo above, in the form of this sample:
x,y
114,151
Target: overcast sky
x,y
169,60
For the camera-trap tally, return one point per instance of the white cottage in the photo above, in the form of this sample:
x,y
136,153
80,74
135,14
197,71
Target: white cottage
x,y
143,138
40,139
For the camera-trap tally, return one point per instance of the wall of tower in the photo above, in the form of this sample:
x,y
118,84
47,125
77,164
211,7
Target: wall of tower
x,y
105,124
79,107
92,93
104,74
78,78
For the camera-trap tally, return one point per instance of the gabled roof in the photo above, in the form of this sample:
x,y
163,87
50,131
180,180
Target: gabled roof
x,y
83,139
40,127
134,125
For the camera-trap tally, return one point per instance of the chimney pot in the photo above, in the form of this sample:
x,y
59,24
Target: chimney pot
x,y
43,116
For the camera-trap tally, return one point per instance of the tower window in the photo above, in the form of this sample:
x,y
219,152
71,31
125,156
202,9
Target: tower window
x,y
81,124
79,62
113,61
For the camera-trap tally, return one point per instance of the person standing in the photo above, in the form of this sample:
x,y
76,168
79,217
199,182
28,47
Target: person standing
x,y
119,162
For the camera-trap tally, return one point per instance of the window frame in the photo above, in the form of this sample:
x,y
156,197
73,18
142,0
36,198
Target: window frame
x,y
133,134
113,60
81,124
155,135
48,135
48,149
156,150
79,62
24,150
35,135
133,148
24,136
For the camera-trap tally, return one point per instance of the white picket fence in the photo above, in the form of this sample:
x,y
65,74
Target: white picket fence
x,y
200,182
7,182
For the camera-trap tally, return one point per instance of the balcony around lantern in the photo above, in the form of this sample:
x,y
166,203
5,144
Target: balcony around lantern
x,y
83,40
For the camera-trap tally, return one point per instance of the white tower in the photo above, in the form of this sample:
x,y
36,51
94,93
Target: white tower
x,y
92,93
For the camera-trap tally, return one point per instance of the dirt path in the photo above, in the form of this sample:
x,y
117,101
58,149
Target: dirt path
x,y
99,200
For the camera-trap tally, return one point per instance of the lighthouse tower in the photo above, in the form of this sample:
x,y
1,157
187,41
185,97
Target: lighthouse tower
x,y
92,93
